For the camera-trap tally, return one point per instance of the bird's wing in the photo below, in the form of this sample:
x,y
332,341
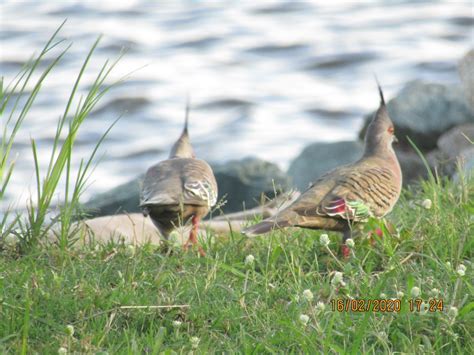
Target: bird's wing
x,y
162,185
354,192
360,194
199,183
179,180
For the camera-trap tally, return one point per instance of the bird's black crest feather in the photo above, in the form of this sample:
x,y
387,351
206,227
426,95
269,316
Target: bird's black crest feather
x,y
382,99
186,119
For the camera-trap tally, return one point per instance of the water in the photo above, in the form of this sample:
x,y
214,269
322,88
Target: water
x,y
265,78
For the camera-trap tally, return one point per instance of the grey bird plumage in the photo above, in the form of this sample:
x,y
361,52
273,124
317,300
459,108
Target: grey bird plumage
x,y
179,188
351,193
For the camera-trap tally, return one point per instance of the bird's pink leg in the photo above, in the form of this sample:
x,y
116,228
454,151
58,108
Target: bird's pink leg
x,y
345,250
193,236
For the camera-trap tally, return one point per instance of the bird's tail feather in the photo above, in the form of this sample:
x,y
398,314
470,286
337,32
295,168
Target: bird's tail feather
x,y
264,227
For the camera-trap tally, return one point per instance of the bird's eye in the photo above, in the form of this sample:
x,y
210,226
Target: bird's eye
x,y
390,130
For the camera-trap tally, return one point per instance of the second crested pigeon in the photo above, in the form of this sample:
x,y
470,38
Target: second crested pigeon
x,y
178,189
349,194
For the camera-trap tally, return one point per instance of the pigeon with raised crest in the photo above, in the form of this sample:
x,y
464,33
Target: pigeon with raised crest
x,y
349,194
178,189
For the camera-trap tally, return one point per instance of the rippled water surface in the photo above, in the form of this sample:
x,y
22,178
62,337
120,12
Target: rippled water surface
x,y
265,78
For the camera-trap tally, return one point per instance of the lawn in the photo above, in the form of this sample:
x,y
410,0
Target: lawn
x,y
288,291
121,299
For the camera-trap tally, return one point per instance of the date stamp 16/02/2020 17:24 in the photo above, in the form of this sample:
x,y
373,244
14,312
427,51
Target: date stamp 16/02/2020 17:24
x,y
393,305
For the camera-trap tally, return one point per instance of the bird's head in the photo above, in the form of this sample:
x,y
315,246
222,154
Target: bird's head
x,y
380,134
182,148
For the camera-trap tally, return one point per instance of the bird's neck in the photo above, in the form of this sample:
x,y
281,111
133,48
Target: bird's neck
x,y
379,148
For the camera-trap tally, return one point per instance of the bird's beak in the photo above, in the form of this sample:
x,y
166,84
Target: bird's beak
x,y
395,139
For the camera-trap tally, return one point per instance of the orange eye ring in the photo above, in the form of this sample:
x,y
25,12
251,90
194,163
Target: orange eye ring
x,y
390,130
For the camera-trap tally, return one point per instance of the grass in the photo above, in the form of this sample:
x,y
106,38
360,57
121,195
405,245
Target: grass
x,y
16,99
116,298
232,306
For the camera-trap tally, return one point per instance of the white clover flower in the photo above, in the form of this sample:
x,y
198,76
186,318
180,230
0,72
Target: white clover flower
x,y
324,240
350,243
320,307
400,294
11,240
249,260
448,264
70,330
62,351
461,271
382,334
383,296
304,319
337,279
453,312
415,292
434,292
194,342
177,323
308,295
130,251
427,204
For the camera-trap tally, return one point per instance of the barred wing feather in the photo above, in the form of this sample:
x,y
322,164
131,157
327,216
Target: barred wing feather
x,y
361,194
202,190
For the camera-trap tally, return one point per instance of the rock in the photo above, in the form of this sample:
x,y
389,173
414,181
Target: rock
x,y
120,199
462,168
412,166
450,147
319,158
466,73
439,162
242,182
245,181
457,139
423,111
466,162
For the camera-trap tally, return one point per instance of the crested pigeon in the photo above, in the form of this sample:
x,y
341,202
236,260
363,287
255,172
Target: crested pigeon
x,y
349,194
178,189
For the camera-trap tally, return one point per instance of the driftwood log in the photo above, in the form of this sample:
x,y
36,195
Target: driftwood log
x,y
137,230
